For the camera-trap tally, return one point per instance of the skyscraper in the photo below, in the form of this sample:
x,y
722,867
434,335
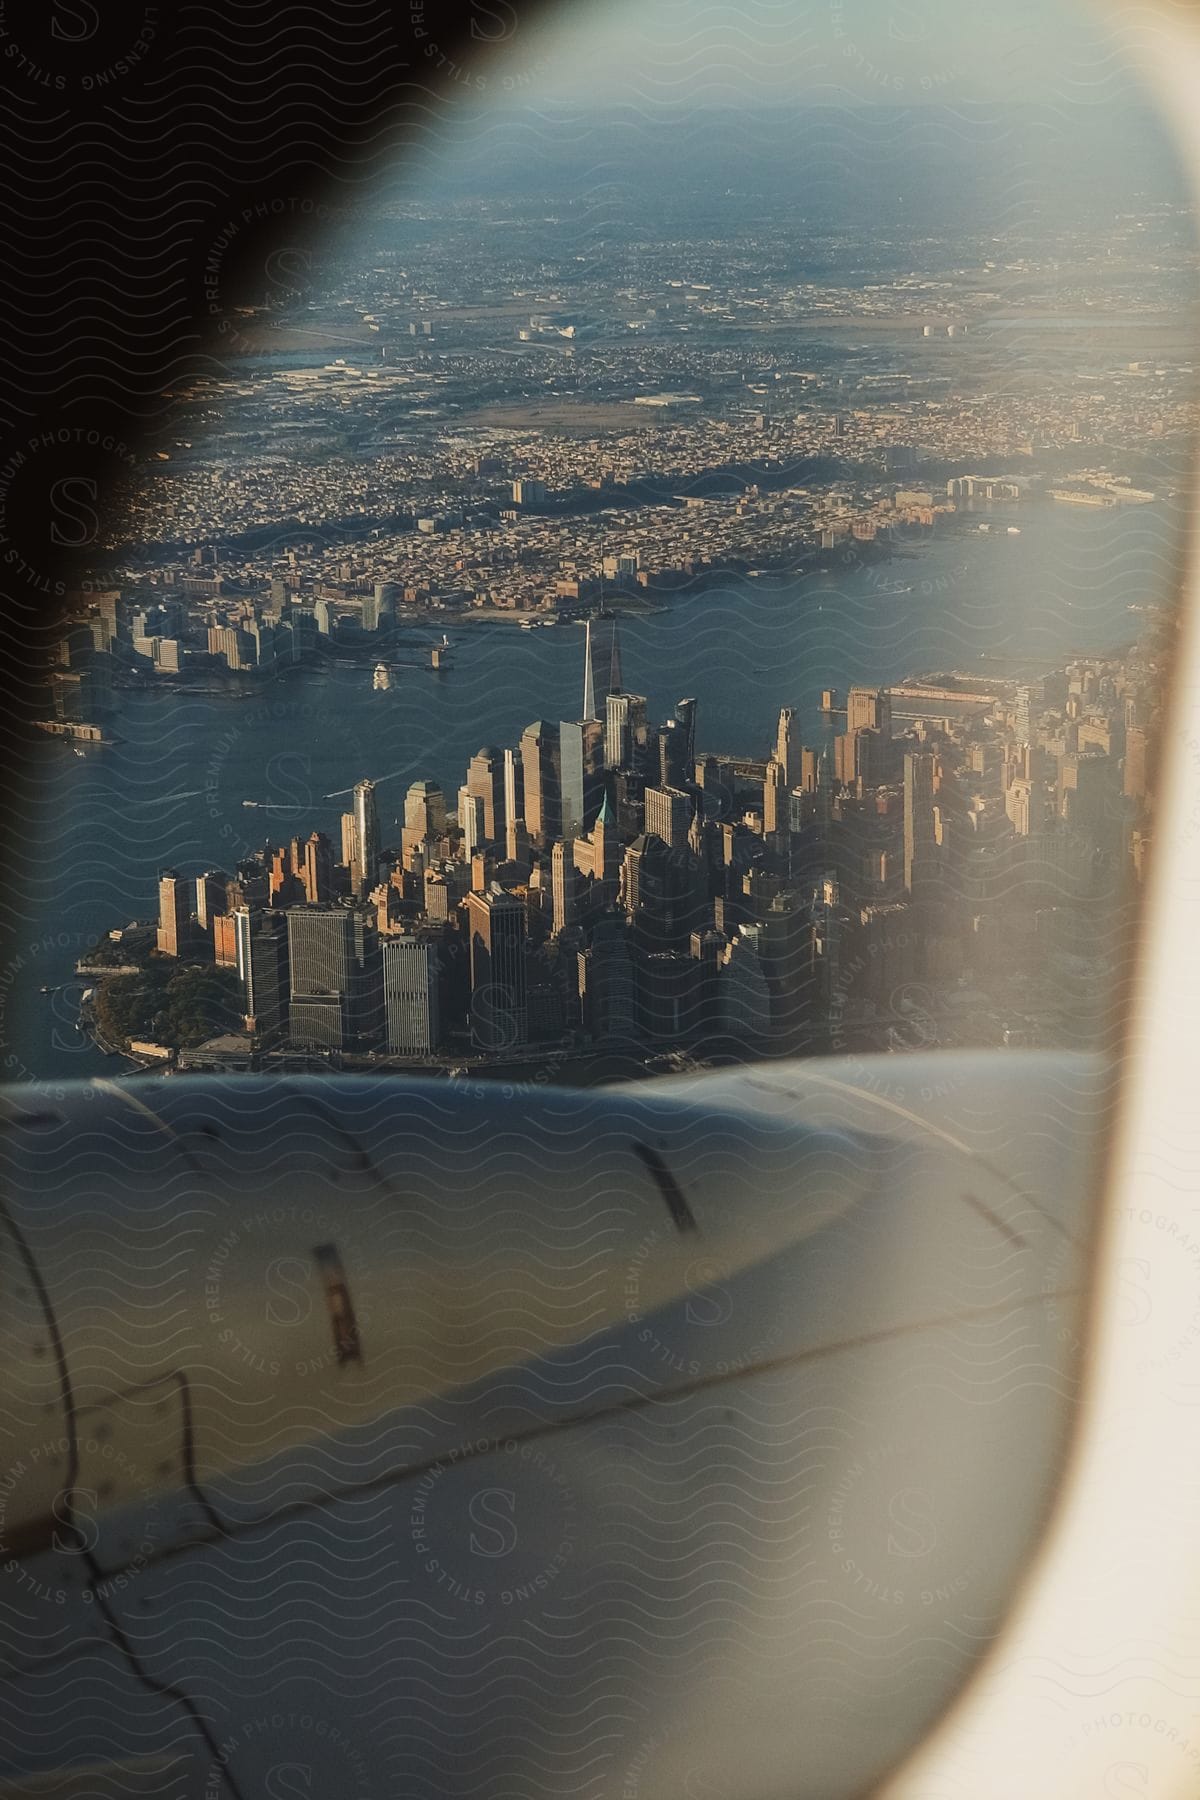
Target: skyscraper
x,y
606,853
564,880
1023,716
580,760
210,897
785,746
674,765
410,995
499,1004
425,810
514,800
363,839
607,982
541,764
224,941
262,966
174,915
919,825
330,950
471,820
685,719
625,729
603,653
668,816
1135,763
485,779
777,816
744,996
869,709
317,869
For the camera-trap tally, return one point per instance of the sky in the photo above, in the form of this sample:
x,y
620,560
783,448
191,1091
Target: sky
x,y
856,51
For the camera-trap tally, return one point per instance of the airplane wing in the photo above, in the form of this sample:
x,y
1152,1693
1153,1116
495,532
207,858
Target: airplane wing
x,y
366,1437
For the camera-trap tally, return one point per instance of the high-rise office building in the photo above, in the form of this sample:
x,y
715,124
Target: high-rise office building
x,y
580,766
744,998
317,869
364,866
608,984
349,840
541,764
624,729
1135,763
786,748
330,953
651,892
174,914
262,643
777,815
485,779
109,613
606,853
224,941
425,811
1019,805
920,864
669,816
564,885
514,802
261,941
869,709
410,995
499,991
210,897
471,820
685,719
674,765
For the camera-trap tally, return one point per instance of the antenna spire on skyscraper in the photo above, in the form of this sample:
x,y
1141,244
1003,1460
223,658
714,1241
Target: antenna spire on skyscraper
x,y
589,685
614,665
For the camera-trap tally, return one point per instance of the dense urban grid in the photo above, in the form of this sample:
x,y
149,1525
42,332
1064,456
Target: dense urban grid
x,y
473,425
487,415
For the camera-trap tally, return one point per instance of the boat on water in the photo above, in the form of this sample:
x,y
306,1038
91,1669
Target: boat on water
x,y
381,681
249,802
1014,531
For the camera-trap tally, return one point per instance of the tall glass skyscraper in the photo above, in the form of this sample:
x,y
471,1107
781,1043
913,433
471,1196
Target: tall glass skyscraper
x,y
364,864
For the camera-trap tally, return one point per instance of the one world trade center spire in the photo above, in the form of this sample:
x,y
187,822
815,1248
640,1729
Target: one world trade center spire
x,y
606,646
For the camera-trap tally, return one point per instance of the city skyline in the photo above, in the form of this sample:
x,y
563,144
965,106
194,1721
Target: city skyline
x,y
690,904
